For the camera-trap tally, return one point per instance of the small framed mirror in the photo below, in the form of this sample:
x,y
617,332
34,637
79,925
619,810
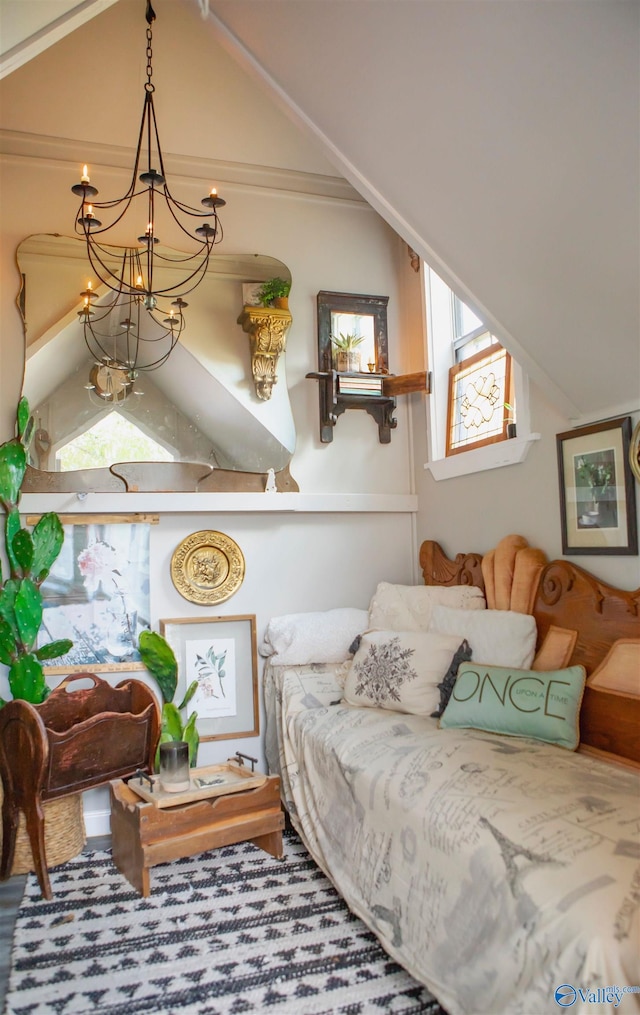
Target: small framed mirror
x,y
352,333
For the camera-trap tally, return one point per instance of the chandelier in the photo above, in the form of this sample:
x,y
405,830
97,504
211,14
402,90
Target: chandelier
x,y
140,322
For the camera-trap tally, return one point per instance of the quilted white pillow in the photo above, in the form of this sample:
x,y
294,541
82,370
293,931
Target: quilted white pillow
x,y
497,637
408,607
296,639
400,670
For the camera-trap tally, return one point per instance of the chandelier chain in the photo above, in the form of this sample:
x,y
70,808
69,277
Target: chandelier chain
x,y
149,87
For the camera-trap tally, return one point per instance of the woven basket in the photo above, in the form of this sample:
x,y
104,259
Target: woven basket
x,y
64,833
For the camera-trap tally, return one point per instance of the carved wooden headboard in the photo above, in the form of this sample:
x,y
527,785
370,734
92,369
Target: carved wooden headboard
x,y
567,596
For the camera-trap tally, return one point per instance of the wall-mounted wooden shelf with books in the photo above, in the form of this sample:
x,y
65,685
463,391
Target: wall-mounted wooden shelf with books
x,y
373,392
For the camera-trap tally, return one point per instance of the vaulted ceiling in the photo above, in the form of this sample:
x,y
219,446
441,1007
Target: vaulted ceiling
x,y
500,139
26,29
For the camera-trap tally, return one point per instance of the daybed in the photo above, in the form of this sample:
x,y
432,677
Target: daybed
x,y
495,868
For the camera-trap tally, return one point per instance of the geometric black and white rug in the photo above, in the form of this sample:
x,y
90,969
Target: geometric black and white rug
x,y
228,932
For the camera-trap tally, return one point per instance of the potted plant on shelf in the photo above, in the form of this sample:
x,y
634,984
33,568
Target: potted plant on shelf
x,y
510,420
159,658
347,356
275,293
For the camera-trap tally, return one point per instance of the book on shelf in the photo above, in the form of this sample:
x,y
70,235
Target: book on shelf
x,y
365,384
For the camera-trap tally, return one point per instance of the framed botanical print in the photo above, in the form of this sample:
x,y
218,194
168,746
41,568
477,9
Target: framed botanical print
x,y
220,654
597,494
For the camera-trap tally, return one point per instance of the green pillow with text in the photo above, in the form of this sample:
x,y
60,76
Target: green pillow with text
x,y
520,703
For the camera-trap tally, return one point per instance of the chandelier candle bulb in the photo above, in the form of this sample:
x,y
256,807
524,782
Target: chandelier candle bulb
x,y
85,175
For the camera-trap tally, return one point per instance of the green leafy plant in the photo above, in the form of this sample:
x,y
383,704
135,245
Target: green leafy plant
x,y
272,289
348,342
29,556
597,475
159,658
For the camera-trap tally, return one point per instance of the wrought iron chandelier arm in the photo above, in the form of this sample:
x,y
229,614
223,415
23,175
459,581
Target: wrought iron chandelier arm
x,y
213,202
209,234
185,285
106,275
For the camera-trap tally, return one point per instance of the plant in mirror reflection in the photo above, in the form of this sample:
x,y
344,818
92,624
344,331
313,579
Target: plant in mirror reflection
x,y
273,289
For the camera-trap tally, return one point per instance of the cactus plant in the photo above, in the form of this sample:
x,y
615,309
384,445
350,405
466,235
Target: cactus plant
x,y
159,658
29,556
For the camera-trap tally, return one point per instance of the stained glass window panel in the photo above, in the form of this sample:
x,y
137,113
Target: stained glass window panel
x,y
479,393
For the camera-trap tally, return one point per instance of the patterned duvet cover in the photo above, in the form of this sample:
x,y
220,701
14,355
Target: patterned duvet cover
x,y
495,869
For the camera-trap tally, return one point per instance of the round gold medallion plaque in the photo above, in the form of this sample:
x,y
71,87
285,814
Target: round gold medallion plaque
x,y
207,567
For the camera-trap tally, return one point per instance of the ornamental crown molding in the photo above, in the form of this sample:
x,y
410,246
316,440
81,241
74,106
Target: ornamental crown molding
x,y
21,145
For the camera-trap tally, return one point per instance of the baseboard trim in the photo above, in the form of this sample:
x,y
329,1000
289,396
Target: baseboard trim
x,y
97,823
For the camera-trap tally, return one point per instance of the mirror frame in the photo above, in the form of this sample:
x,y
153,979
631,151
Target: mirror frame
x,y
352,303
139,476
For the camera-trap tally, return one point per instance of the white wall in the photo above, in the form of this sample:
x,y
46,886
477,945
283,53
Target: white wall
x,y
217,121
483,132
501,140
471,513
305,562
327,236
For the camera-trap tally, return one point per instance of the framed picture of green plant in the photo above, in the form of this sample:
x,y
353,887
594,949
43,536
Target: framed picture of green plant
x,y
219,653
597,493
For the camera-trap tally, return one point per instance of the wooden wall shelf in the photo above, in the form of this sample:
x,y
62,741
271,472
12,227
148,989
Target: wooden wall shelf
x,y
333,401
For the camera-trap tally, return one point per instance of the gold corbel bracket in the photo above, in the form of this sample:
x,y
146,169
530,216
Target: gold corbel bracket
x,y
267,329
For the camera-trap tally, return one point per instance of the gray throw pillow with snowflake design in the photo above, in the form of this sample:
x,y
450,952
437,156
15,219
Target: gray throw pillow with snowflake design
x,y
400,670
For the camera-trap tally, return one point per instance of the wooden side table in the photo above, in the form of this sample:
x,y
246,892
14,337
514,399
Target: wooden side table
x,y
143,835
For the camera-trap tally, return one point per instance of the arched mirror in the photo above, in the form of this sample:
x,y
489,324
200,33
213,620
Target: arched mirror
x,y
198,413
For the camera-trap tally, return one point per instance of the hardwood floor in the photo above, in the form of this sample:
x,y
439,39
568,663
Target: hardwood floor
x,y
11,893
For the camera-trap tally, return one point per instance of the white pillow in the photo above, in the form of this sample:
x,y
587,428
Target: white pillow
x,y
497,637
400,670
408,607
296,639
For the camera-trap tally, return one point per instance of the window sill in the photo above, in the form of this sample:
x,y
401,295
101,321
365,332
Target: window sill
x,y
493,456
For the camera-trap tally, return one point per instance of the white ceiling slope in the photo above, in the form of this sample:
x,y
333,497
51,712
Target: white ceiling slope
x,y
501,139
27,27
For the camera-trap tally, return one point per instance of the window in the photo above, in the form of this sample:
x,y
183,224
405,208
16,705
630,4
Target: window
x,y
475,385
477,406
112,439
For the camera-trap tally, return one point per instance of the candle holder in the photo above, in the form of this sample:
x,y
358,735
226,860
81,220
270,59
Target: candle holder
x,y
174,766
